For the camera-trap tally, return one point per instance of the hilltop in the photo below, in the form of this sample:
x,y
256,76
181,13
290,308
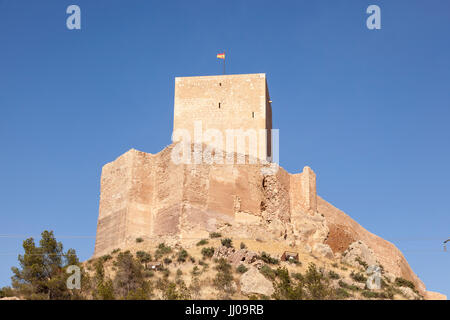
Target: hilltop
x,y
150,198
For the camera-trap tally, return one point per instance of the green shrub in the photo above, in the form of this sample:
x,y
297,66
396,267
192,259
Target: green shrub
x,y
370,294
143,256
362,263
202,242
286,289
138,240
268,272
167,261
115,251
162,250
344,285
267,258
105,258
390,292
6,292
104,291
226,242
342,293
243,246
195,271
316,284
182,256
213,235
400,282
298,276
142,293
358,277
129,276
173,291
224,278
166,273
208,252
241,269
149,273
333,275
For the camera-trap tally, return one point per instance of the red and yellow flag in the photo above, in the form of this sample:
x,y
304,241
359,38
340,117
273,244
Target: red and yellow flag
x,y
221,56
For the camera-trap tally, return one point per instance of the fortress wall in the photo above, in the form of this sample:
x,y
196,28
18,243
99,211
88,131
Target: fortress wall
x,y
223,102
139,218
168,195
303,191
221,193
115,185
248,187
145,195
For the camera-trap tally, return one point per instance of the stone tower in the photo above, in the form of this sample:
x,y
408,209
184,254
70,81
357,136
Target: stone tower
x,y
226,102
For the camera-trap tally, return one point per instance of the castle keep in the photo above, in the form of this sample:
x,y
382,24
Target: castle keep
x,y
226,102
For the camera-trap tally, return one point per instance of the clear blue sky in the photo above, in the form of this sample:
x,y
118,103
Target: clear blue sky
x,y
368,110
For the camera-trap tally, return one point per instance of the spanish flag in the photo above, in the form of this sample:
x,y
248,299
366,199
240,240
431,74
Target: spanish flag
x,y
221,56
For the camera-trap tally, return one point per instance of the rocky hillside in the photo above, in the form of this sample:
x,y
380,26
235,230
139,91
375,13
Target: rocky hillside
x,y
225,268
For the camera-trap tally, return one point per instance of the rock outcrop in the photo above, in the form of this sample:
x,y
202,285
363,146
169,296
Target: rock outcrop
x,y
253,282
359,253
430,295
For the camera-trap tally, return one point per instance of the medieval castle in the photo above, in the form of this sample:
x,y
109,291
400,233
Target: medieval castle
x,y
149,196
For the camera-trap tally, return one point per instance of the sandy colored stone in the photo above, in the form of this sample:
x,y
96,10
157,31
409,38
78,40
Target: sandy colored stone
x,y
239,101
358,250
253,282
323,250
408,293
430,295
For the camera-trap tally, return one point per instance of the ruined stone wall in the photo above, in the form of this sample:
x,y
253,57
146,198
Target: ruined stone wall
x,y
303,195
222,103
